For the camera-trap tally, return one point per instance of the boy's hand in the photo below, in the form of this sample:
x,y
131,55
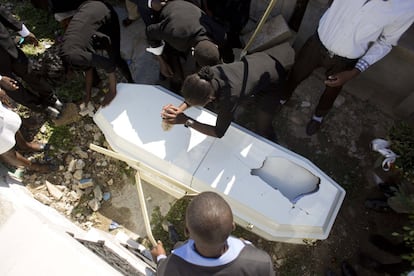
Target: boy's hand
x,y
158,250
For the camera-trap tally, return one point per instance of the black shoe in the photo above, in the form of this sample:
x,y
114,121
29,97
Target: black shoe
x,y
313,127
347,269
173,234
388,189
379,205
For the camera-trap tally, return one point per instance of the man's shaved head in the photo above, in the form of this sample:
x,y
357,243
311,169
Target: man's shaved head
x,y
209,218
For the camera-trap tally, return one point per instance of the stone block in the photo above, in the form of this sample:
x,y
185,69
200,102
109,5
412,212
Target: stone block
x,y
273,32
284,53
283,7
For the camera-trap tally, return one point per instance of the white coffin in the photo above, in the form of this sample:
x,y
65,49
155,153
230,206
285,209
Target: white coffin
x,y
273,191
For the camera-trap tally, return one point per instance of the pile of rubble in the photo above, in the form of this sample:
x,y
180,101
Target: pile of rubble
x,y
84,179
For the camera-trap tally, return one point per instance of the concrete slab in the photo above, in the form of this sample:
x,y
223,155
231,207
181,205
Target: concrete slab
x,y
283,7
273,32
284,53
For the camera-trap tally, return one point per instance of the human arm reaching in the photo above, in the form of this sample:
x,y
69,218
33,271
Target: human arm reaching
x,y
158,252
175,115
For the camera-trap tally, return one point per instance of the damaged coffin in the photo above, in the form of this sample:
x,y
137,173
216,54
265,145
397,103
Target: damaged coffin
x,y
273,191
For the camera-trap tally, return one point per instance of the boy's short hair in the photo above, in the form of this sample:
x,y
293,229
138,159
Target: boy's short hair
x,y
206,53
209,218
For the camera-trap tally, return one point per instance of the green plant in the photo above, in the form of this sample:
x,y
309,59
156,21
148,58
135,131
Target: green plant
x,y
72,90
175,216
401,137
39,22
408,237
61,138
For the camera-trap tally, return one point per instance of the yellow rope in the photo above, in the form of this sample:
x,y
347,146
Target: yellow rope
x,y
258,28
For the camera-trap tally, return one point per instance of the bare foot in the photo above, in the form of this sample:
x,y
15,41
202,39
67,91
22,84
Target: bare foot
x,y
34,147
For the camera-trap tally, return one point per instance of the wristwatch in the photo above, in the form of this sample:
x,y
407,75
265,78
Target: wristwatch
x,y
189,123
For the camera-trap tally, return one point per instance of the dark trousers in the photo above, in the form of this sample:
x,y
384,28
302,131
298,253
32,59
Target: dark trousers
x,y
313,55
146,13
38,94
113,31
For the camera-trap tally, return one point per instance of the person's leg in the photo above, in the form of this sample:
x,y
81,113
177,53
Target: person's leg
x,y
326,100
115,48
264,124
172,57
266,102
132,10
333,65
146,13
21,95
112,89
308,59
36,83
24,145
89,77
329,95
13,158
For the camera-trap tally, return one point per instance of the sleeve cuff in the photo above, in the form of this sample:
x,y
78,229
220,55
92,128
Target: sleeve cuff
x,y
362,65
150,4
156,51
24,32
161,257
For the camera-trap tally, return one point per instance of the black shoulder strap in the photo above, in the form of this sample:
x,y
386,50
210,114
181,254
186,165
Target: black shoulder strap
x,y
244,83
